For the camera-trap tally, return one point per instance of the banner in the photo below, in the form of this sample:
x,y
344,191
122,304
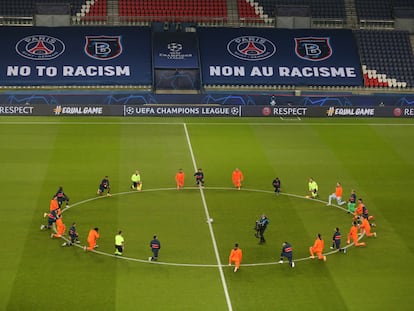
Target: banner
x,y
183,111
281,112
175,50
252,56
75,56
126,97
176,79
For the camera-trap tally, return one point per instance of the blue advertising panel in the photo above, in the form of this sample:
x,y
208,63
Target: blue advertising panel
x,y
176,79
175,50
75,56
279,56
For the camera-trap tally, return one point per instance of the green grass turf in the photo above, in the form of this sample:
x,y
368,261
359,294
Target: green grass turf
x,y
373,156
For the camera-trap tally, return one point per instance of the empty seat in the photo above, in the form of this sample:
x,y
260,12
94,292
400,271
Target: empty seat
x,y
174,10
386,54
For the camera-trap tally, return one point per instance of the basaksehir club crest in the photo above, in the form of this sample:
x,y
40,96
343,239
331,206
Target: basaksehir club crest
x,y
103,47
313,48
251,48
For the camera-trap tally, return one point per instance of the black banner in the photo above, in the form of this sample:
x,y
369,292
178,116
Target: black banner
x,y
234,111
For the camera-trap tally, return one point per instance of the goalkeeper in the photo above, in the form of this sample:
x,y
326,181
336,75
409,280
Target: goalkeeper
x,y
313,188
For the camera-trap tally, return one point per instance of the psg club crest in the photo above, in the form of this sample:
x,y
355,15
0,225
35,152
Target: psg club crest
x,y
251,48
313,49
40,47
103,47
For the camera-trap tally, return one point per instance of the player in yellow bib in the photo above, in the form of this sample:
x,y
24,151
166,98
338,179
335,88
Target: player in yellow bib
x,y
136,181
119,244
313,188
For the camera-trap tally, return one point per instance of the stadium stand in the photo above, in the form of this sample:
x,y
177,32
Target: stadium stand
x,y
172,10
254,12
266,8
386,57
374,9
380,9
93,10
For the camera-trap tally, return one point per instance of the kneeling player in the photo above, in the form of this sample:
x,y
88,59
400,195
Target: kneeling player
x,y
60,228
73,235
288,253
104,185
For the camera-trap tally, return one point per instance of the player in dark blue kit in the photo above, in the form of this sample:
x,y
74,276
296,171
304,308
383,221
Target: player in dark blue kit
x,y
104,185
61,197
155,247
51,219
276,184
73,235
199,177
336,241
288,253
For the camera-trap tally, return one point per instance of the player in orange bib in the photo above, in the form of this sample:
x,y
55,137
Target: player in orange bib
x,y
93,236
236,256
237,178
337,195
359,210
353,234
60,228
54,206
365,227
317,248
179,179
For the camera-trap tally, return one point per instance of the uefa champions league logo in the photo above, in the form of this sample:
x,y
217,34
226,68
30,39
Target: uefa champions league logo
x,y
174,47
235,111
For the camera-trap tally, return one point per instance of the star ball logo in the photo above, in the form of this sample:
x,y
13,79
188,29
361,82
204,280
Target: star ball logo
x,y
40,47
175,47
235,111
251,48
129,110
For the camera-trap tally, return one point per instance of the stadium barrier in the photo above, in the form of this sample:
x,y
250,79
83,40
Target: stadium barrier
x,y
233,98
205,111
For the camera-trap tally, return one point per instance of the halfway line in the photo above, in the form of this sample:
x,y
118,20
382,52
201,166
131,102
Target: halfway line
x,y
213,239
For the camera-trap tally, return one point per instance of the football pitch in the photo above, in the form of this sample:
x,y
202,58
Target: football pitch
x,y
373,156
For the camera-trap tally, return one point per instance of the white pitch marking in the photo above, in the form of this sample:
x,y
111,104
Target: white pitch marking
x,y
213,239
199,265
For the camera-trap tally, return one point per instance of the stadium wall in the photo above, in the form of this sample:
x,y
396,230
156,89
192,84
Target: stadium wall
x,y
287,98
